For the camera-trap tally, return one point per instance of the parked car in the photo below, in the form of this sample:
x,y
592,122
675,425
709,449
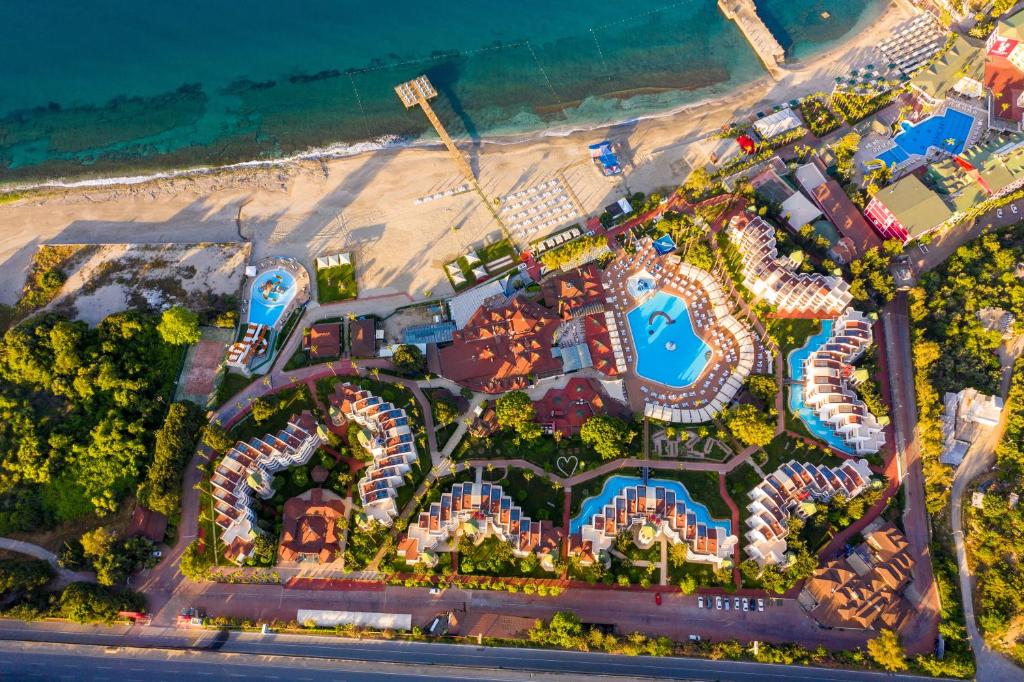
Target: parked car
x,y
745,605
435,590
718,603
760,604
657,598
736,603
726,603
157,554
1013,209
694,638
999,213
700,602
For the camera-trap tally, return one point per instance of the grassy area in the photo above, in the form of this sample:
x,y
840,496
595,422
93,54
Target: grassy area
x,y
230,385
539,498
286,404
784,448
444,434
741,481
487,254
791,334
336,283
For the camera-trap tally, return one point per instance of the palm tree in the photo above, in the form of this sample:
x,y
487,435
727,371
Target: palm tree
x,y
375,371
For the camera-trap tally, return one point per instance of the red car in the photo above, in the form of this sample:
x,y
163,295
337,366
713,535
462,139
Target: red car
x,y
657,598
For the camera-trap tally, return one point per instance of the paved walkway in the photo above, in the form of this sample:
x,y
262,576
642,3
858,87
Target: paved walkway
x,y
64,576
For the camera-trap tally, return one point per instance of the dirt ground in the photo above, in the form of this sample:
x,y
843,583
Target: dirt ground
x,y
105,279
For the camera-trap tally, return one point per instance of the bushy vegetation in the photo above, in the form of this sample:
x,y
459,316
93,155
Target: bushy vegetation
x,y
78,411
515,411
853,107
23,575
818,116
573,253
112,558
609,436
409,360
751,426
175,443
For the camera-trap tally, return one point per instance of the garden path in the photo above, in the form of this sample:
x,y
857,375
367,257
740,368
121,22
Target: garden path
x,y
64,576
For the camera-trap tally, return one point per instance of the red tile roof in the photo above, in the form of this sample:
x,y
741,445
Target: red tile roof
x,y
844,215
569,292
364,338
323,340
567,408
1006,83
500,348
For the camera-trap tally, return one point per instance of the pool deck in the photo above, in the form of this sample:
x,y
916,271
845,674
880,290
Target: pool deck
x,y
295,269
711,320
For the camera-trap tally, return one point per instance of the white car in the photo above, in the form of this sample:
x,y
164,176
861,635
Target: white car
x,y
700,602
760,604
736,603
435,590
745,605
718,603
1013,208
999,213
694,638
727,607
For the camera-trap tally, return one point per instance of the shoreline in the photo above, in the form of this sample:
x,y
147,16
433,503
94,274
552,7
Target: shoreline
x,y
739,95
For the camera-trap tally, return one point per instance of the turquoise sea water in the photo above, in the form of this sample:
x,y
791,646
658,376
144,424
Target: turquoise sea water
x,y
680,366
615,484
111,86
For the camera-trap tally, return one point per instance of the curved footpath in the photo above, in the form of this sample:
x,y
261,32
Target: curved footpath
x,y
64,576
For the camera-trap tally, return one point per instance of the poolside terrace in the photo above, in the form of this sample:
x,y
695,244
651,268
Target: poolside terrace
x,y
735,352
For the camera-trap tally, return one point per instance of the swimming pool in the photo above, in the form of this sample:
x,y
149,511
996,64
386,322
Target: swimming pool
x,y
615,484
796,395
271,293
667,349
947,132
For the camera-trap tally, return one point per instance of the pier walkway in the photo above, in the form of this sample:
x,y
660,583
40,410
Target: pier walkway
x,y
744,13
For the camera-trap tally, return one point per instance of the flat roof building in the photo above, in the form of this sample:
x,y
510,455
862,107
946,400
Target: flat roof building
x,y
906,210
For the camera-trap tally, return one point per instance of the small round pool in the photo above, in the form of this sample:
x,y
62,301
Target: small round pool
x,y
271,293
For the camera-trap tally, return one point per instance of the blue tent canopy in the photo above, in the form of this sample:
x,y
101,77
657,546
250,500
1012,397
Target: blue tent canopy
x,y
603,154
664,244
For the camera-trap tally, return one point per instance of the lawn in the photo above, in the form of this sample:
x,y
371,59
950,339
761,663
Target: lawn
x,y
741,481
336,283
791,334
543,451
288,328
784,448
287,404
487,254
231,385
538,497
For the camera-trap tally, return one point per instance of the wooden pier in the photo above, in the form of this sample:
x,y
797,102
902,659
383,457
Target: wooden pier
x,y
744,13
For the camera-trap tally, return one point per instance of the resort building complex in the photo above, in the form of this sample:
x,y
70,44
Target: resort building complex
x,y
652,511
776,281
248,469
242,354
472,511
967,416
387,437
791,489
828,378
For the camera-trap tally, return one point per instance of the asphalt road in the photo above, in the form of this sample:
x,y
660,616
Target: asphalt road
x,y
305,658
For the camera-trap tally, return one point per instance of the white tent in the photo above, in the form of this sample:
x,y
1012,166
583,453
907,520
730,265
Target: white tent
x,y
480,272
334,260
457,278
472,258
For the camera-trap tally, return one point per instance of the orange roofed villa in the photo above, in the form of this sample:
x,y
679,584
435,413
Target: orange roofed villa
x,y
248,469
388,437
473,512
650,512
776,281
793,488
871,588
309,531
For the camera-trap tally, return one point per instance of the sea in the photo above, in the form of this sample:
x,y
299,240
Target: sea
x,y
129,87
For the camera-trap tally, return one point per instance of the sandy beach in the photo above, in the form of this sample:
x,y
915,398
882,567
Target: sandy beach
x,y
366,203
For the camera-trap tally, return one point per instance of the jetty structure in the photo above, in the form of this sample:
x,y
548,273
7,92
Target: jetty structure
x,y
744,13
418,92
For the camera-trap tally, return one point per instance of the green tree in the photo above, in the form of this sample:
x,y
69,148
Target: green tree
x,y
445,411
762,386
609,436
750,426
175,443
26,575
89,603
409,359
217,438
98,542
886,651
179,326
262,410
515,411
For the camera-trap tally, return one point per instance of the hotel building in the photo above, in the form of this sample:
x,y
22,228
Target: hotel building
x,y
828,375
776,281
388,438
793,489
248,469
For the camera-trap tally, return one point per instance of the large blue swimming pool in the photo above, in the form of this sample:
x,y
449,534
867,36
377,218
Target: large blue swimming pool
x,y
947,132
271,293
667,349
615,484
796,395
